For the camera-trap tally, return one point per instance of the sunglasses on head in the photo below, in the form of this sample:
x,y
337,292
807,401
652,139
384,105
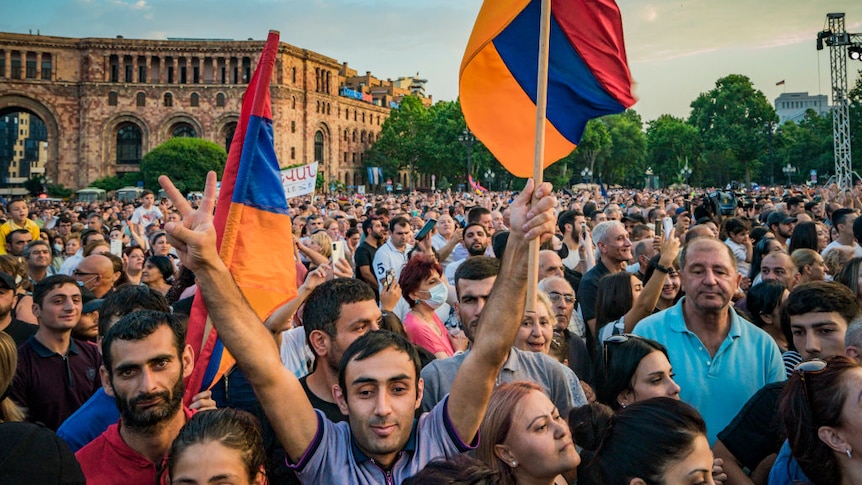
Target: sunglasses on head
x,y
809,367
615,340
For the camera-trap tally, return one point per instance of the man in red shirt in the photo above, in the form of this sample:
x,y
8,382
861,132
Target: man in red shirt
x,y
145,360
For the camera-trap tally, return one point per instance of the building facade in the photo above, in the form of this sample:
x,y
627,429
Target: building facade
x,y
104,103
792,106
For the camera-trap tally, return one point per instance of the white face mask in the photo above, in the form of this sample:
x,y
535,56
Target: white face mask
x,y
439,293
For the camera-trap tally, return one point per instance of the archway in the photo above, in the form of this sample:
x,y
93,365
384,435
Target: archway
x,y
36,150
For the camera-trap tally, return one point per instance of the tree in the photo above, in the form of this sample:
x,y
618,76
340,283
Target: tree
x,y
623,162
403,138
595,140
855,99
35,185
733,120
806,145
185,160
670,144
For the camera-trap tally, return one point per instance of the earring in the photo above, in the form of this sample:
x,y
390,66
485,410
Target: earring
x,y
514,463
623,405
849,453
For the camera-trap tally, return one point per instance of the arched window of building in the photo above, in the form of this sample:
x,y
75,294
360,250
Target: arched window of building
x,y
195,101
129,141
112,98
318,148
328,109
169,100
346,135
220,100
293,153
140,100
114,62
293,126
363,117
354,136
293,100
183,129
228,131
294,76
362,137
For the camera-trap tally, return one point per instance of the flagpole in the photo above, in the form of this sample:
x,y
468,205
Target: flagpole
x,y
539,151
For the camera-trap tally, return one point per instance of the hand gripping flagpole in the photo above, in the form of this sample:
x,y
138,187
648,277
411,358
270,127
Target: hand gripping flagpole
x,y
539,150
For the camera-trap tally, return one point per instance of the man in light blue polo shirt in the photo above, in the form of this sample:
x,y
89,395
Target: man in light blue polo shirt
x,y
379,387
719,358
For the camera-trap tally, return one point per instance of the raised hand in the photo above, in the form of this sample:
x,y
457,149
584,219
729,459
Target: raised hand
x,y
195,237
536,220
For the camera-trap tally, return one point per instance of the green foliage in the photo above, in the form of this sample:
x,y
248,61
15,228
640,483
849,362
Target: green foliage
x,y
59,191
108,183
806,145
855,98
404,138
444,184
671,142
185,160
35,185
733,120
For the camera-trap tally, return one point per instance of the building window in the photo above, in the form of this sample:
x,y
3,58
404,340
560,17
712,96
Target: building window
x,y
170,73
2,63
354,136
363,117
128,69
362,137
293,101
169,100
16,65
195,101
318,147
183,129
140,100
220,100
142,73
328,109
294,75
46,67
228,131
293,153
31,65
129,140
293,126
112,98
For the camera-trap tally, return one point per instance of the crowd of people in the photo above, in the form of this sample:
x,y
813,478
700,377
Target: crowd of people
x,y
676,337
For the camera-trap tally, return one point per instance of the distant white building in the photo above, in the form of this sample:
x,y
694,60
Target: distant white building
x,y
792,106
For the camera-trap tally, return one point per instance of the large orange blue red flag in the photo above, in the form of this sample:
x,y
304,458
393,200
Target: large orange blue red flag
x,y
588,76
252,224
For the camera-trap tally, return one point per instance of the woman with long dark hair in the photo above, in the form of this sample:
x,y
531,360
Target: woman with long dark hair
x,y
657,441
820,410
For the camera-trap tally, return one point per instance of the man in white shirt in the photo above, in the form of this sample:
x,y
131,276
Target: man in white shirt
x,y
392,255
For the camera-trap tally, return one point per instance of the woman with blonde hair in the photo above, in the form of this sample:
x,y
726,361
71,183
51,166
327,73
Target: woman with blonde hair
x,y
524,438
9,411
809,264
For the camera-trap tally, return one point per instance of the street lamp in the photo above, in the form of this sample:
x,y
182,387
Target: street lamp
x,y
788,170
467,138
489,178
649,174
686,173
587,175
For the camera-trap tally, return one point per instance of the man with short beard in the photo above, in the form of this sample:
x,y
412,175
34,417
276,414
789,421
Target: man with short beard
x,y
145,361
475,241
375,235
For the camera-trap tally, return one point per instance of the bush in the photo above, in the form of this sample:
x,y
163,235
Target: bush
x,y
185,160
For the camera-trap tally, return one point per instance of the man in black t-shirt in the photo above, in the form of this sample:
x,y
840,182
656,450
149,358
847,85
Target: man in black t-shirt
x,y
375,235
18,330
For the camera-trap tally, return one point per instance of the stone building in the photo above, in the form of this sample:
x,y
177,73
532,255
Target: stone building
x,y
104,103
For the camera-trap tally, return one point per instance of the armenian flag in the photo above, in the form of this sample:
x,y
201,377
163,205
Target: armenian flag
x,y
252,224
588,76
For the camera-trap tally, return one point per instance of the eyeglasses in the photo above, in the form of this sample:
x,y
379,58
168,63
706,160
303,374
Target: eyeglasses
x,y
555,297
811,367
77,273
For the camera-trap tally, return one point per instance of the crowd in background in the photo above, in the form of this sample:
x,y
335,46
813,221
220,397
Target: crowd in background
x,y
678,336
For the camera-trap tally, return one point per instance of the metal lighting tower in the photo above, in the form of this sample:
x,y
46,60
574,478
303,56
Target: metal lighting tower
x,y
839,40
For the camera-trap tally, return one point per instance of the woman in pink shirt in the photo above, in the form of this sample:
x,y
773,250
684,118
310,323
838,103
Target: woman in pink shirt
x,y
425,290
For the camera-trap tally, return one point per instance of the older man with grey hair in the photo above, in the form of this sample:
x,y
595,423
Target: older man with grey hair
x,y
568,325
614,250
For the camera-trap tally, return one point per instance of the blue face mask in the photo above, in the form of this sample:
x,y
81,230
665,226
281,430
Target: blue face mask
x,y
439,293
